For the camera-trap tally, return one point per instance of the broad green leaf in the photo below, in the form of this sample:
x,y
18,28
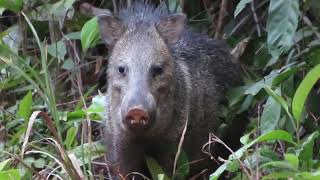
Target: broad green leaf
x,y
269,136
292,159
39,163
287,72
58,11
14,5
235,95
308,175
71,136
233,166
279,99
155,169
94,150
282,24
241,5
57,50
303,91
4,163
271,114
12,37
279,175
283,165
182,166
98,105
90,34
25,106
12,174
276,135
68,64
313,58
256,87
305,152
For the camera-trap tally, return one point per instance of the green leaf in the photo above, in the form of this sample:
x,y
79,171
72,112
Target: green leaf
x,y
93,150
12,37
233,166
90,34
271,114
279,99
68,64
155,169
4,163
303,92
39,163
279,165
71,136
25,106
98,105
14,5
292,159
255,88
279,175
313,58
57,50
12,174
241,5
308,175
269,136
282,24
305,152
235,95
288,71
182,166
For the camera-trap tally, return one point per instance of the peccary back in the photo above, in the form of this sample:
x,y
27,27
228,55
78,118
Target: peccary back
x,y
161,76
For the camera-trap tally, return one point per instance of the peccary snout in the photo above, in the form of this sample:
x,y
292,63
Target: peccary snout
x,y
137,117
138,108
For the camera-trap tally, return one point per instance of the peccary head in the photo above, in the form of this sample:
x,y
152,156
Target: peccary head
x,y
141,69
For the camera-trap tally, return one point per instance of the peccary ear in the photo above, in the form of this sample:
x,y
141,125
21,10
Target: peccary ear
x,y
111,28
171,27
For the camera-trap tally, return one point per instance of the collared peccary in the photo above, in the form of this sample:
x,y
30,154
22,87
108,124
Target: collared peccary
x,y
161,75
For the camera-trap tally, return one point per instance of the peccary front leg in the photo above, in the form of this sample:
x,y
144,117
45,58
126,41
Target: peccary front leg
x,y
125,157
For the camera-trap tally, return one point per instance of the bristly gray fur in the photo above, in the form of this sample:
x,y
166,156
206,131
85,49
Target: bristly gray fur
x,y
198,72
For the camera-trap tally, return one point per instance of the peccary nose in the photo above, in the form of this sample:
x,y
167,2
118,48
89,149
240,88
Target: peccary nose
x,y
137,117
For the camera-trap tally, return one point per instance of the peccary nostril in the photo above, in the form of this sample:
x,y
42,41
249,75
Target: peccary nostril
x,y
137,116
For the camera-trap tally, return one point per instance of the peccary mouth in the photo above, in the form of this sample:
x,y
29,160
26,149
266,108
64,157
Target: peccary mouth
x,y
138,125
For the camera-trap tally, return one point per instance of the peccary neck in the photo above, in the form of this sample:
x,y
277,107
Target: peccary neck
x,y
182,97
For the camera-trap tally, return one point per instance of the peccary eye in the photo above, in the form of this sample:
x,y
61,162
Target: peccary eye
x,y
121,70
156,70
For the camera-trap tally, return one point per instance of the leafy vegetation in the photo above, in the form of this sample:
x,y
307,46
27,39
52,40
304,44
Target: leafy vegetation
x,y
52,70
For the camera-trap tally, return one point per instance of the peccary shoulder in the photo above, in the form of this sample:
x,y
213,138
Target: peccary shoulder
x,y
161,76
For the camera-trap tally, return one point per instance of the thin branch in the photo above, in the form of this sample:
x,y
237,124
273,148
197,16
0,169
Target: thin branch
x,y
255,18
222,12
115,8
218,140
180,144
307,21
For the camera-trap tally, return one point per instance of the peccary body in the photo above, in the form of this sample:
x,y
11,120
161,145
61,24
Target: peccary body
x,y
162,76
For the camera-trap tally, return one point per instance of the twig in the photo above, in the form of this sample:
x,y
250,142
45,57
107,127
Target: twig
x,y
219,30
307,21
218,140
115,9
255,18
246,18
180,144
206,4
